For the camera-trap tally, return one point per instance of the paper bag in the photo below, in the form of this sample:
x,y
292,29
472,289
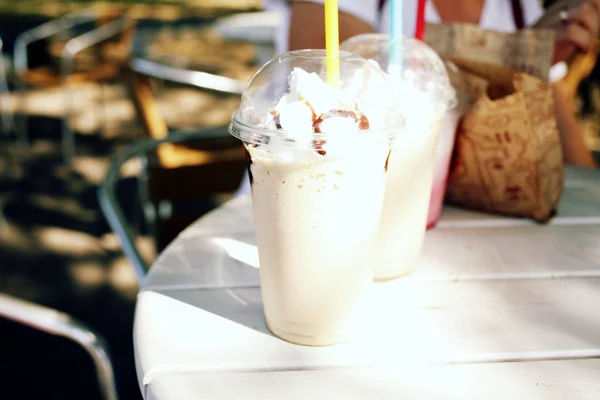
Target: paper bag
x,y
528,50
507,156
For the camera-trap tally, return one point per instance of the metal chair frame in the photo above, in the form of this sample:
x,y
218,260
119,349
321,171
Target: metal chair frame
x,y
8,123
71,49
199,79
60,324
142,70
109,202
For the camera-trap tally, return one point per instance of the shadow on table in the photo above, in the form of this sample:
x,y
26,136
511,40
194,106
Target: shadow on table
x,y
220,275
210,254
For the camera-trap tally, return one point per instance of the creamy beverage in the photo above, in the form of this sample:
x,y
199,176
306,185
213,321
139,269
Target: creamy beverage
x,y
423,95
408,189
316,220
317,165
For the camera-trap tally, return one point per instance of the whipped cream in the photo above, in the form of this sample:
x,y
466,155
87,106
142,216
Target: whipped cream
x,y
315,114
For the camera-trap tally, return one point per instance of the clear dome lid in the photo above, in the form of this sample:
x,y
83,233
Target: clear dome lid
x,y
422,69
458,83
290,94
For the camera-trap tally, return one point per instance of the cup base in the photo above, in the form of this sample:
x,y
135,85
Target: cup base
x,y
391,274
305,340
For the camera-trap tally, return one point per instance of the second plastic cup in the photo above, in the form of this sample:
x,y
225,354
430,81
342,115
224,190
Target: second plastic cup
x,y
424,95
317,157
443,156
445,146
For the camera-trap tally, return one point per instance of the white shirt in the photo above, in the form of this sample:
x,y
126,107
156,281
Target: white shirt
x,y
496,15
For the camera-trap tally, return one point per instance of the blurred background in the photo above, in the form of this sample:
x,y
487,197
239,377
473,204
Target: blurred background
x,y
80,81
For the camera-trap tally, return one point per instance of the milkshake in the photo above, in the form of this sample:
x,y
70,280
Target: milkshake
x,y
423,94
317,159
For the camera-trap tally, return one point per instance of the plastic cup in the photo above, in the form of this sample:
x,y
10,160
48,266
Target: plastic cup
x,y
424,95
443,156
317,197
445,147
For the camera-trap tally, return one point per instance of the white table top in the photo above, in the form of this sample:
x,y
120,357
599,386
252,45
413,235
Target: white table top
x,y
499,307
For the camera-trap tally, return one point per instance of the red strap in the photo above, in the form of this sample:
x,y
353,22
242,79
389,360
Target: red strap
x,y
518,14
516,8
420,28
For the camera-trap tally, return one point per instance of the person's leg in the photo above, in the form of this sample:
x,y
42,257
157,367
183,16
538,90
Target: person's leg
x,y
574,149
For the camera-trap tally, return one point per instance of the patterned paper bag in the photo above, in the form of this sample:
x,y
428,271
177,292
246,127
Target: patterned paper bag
x,y
528,50
507,157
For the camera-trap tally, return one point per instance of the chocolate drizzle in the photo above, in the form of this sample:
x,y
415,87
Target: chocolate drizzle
x,y
360,119
249,164
310,107
318,144
387,160
276,118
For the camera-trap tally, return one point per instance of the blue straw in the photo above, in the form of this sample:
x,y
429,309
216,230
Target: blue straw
x,y
396,22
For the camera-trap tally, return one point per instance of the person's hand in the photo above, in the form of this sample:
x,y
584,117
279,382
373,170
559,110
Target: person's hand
x,y
578,30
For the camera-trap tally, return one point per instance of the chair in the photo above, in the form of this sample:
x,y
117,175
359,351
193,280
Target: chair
x,y
169,204
108,27
220,172
213,153
7,117
60,324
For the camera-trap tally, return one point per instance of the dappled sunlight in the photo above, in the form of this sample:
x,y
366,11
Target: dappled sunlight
x,y
110,242
147,247
122,276
15,238
118,110
63,205
56,100
47,102
42,146
87,122
93,169
183,100
109,116
132,167
188,109
144,244
89,275
67,242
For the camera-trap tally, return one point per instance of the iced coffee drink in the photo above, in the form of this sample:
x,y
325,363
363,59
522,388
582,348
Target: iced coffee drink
x,y
317,158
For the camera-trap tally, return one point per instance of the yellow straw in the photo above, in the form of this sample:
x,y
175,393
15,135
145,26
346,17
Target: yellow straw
x,y
332,42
